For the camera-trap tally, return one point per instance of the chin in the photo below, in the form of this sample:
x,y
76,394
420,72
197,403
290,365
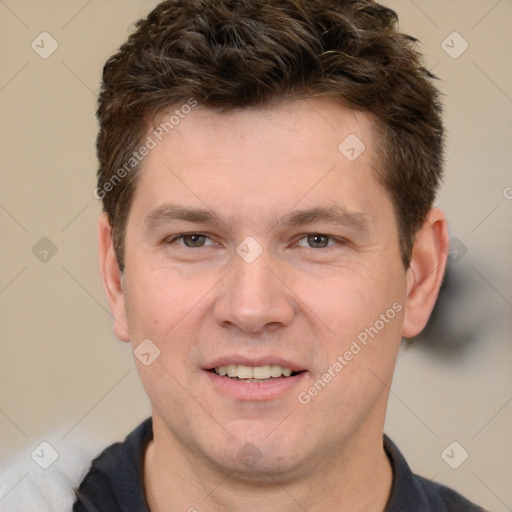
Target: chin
x,y
259,458
256,468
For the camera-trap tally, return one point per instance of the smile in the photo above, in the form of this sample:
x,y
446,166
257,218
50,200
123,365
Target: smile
x,y
263,382
253,373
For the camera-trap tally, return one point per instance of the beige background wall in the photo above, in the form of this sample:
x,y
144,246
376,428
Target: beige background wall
x,y
65,379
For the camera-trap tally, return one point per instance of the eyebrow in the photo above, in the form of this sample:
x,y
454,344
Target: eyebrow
x,y
168,212
335,215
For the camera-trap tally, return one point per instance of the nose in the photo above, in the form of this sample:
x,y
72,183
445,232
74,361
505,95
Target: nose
x,y
254,297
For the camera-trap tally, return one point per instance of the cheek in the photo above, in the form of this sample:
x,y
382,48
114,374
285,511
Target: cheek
x,y
365,314
352,300
162,310
159,299
167,309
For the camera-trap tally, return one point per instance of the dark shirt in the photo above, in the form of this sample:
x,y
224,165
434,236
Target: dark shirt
x,y
115,482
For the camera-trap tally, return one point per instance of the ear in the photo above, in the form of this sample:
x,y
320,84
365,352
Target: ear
x,y
112,277
425,273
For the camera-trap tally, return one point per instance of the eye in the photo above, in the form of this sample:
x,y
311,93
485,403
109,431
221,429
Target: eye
x,y
316,241
192,240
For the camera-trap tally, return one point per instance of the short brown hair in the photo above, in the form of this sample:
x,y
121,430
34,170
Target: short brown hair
x,y
231,54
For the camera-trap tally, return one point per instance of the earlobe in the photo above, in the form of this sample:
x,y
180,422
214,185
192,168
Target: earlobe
x,y
426,271
112,277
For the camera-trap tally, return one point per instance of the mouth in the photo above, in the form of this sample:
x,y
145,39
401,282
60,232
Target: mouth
x,y
254,380
264,373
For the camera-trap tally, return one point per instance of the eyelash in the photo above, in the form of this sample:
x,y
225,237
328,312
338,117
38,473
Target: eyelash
x,y
183,235
336,240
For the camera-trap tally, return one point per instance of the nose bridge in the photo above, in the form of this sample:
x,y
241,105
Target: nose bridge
x,y
252,281
252,296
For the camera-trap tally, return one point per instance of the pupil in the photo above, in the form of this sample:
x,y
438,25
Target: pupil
x,y
317,241
193,240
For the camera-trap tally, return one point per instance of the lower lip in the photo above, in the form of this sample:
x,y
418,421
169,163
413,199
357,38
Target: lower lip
x,y
254,391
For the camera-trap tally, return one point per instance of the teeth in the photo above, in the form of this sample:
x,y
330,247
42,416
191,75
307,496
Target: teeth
x,y
253,372
261,372
244,372
275,370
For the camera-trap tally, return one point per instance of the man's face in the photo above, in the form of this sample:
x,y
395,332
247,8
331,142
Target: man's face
x,y
254,240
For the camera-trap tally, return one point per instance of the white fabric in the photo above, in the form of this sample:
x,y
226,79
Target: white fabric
x,y
27,487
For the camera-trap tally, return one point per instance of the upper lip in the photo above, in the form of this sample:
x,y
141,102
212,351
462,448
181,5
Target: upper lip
x,y
253,361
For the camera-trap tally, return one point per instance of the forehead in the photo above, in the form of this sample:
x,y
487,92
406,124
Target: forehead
x,y
302,153
293,129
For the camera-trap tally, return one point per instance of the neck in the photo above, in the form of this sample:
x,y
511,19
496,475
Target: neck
x,y
358,477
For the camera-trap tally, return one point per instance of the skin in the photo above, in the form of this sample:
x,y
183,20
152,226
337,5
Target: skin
x,y
300,303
